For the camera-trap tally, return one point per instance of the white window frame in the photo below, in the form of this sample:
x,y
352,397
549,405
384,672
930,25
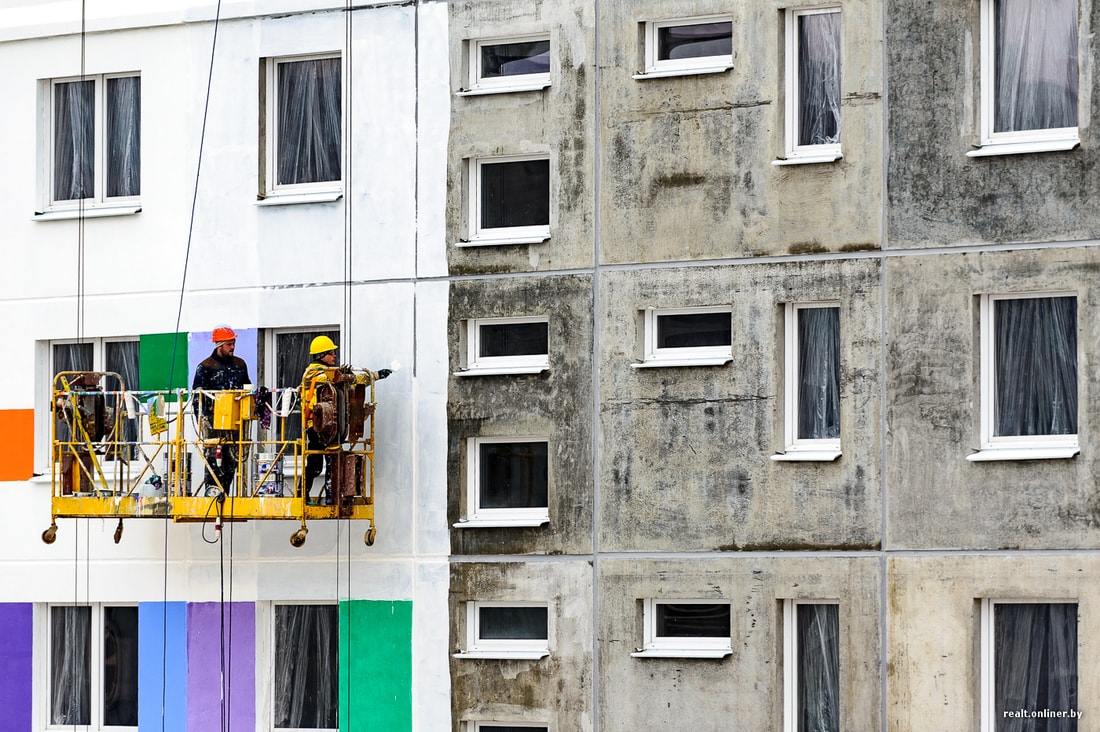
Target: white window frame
x,y
790,660
1021,141
476,365
531,649
655,68
477,517
795,449
654,646
478,84
321,191
1016,447
98,204
265,664
479,236
654,357
801,154
44,660
988,682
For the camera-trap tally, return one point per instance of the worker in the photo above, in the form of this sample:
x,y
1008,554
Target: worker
x,y
322,351
220,371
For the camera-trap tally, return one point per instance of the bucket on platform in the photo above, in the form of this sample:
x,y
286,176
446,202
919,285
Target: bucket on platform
x,y
269,470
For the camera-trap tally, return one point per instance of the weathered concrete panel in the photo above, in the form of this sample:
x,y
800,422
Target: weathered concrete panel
x,y
936,195
687,170
685,459
557,403
936,498
743,691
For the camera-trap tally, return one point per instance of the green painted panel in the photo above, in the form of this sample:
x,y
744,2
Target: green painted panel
x,y
377,635
162,361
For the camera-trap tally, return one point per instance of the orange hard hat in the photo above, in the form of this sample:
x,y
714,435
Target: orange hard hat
x,y
222,334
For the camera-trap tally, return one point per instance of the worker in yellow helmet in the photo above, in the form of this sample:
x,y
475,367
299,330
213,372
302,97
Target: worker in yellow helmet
x,y
322,351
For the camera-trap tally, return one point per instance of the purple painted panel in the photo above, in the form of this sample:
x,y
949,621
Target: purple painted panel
x,y
16,638
205,629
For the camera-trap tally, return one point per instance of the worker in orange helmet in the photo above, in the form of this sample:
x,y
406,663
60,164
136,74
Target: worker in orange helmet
x,y
219,371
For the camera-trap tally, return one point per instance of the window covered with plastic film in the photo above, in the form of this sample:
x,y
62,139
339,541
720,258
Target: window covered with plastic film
x,y
291,359
818,373
306,666
818,667
93,666
308,148
818,106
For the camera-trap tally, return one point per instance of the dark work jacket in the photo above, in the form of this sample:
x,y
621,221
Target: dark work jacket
x,y
215,373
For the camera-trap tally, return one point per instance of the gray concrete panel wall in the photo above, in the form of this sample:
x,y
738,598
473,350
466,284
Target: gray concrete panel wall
x,y
939,197
685,458
937,498
687,160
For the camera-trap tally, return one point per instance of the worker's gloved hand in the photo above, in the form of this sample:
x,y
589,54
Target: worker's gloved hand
x,y
346,367
383,373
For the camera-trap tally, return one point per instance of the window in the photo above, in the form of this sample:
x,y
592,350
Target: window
x,y
509,64
1029,76
508,727
510,203
812,85
507,630
286,356
694,46
307,670
1028,377
687,337
93,659
95,143
304,143
812,384
1029,666
99,354
507,482
506,346
685,629
811,666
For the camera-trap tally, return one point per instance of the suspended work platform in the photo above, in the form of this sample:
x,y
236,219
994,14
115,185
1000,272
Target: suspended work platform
x,y
213,456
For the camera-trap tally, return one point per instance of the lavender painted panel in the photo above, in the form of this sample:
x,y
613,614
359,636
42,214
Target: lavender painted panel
x,y
206,668
16,639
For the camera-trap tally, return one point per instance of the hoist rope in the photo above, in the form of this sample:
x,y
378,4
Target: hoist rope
x,y
349,44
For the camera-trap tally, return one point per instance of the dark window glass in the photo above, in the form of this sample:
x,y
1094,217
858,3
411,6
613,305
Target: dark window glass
x,y
515,59
74,140
306,666
694,41
513,623
693,620
123,143
512,339
513,475
120,666
818,373
693,330
309,101
70,665
122,359
1035,352
515,194
291,358
818,668
1035,665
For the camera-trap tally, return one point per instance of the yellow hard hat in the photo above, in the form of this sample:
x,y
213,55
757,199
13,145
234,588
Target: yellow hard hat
x,y
321,344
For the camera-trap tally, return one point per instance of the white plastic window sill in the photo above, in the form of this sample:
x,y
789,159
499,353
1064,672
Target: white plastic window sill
x,y
682,653
1023,453
505,655
502,241
696,71
67,214
1020,148
502,370
678,362
808,159
493,523
808,456
287,199
509,89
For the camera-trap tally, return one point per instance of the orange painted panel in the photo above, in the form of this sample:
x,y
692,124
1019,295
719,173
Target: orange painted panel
x,y
16,444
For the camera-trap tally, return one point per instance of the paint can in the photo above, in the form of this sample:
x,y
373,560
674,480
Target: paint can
x,y
269,469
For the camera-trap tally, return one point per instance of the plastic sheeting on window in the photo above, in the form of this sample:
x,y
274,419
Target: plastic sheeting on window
x,y
309,102
291,359
123,141
1035,352
122,358
818,373
70,665
1035,665
1035,64
73,140
818,668
819,78
306,666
